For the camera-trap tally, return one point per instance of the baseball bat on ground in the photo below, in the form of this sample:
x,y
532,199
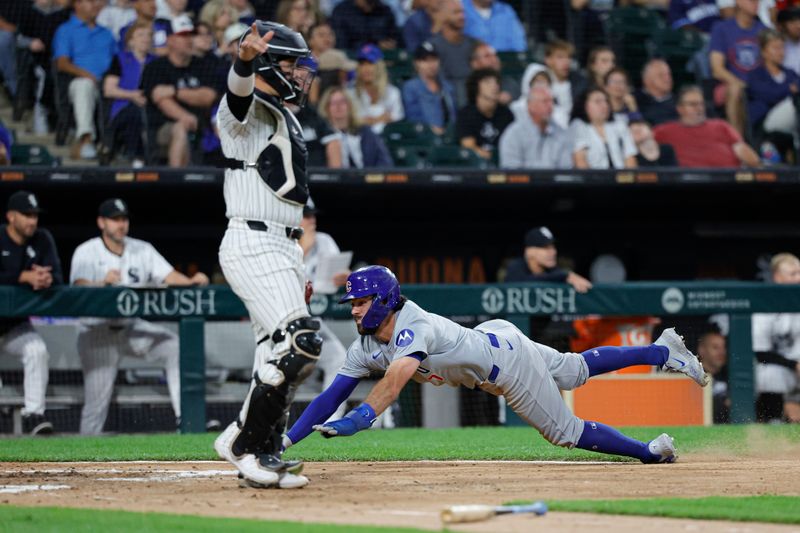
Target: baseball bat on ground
x,y
476,513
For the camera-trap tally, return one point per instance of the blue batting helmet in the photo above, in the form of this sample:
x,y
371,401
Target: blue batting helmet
x,y
377,281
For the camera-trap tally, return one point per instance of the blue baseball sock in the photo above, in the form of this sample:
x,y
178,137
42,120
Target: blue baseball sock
x,y
601,438
609,358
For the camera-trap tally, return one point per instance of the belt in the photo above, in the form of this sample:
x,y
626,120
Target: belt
x,y
259,225
235,164
493,374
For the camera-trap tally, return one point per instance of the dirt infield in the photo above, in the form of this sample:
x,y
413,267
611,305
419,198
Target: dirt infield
x,y
403,494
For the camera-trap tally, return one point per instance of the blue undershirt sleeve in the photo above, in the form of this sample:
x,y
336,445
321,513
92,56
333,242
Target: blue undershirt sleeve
x,y
322,407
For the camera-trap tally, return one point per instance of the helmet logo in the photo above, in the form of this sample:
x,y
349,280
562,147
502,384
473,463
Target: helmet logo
x,y
404,338
348,286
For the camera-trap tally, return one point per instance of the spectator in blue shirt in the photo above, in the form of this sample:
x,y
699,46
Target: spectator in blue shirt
x,y
84,50
771,88
422,24
693,14
734,54
495,23
428,98
5,146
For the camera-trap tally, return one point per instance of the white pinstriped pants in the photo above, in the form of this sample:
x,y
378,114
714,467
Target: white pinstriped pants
x,y
101,347
25,342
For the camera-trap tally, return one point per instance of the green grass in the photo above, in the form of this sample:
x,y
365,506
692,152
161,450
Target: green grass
x,y
396,445
777,509
44,519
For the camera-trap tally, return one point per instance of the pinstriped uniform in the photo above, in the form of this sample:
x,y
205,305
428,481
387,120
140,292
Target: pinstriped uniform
x,y
264,268
103,342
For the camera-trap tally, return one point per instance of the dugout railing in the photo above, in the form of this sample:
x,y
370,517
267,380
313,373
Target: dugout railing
x,y
191,307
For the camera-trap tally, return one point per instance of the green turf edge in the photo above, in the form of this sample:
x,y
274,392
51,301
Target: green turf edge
x,y
763,508
45,519
486,443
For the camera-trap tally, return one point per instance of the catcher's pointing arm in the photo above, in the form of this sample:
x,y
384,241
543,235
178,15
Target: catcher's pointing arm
x,y
379,399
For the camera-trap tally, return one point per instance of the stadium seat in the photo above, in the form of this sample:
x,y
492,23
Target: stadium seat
x,y
402,133
455,156
631,32
32,154
406,157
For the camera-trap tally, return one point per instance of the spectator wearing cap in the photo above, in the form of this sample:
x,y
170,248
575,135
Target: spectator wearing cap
x,y
181,92
454,48
378,102
114,258
5,145
651,154
84,50
540,262
496,23
771,89
655,100
698,15
360,146
146,14
358,22
534,140
428,98
121,84
702,142
481,123
28,259
484,56
334,65
422,23
789,26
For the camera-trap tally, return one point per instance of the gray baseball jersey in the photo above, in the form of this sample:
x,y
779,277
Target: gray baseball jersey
x,y
779,333
494,356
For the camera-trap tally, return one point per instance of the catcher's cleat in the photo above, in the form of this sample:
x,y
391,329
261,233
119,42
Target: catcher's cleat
x,y
663,448
286,481
680,358
247,464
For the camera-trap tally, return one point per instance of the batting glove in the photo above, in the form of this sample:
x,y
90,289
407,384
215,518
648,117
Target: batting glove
x,y
359,418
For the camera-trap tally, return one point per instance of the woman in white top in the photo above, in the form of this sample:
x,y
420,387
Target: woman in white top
x,y
378,101
599,142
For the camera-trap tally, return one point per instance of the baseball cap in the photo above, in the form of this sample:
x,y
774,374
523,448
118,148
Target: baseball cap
x,y
370,53
425,50
234,32
785,15
113,207
539,237
336,60
24,202
181,25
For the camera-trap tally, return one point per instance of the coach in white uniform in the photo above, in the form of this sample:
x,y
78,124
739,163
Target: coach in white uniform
x,y
266,187
776,344
113,258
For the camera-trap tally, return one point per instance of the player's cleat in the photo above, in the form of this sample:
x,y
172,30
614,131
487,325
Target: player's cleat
x,y
248,464
680,358
36,425
663,448
287,481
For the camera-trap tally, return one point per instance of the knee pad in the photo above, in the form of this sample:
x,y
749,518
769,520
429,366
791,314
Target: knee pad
x,y
295,352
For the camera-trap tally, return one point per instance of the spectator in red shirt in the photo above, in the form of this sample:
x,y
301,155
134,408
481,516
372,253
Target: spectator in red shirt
x,y
702,142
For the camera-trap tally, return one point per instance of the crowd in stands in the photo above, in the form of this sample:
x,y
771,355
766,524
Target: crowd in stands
x,y
140,80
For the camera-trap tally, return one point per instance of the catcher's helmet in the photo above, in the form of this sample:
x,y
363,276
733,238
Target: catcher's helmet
x,y
291,84
376,281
